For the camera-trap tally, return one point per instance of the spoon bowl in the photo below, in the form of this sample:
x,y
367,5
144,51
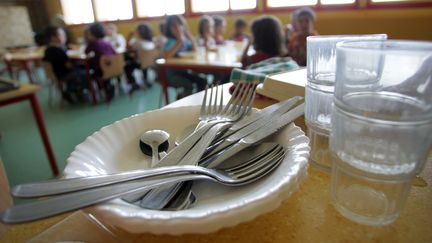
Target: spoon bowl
x,y
153,142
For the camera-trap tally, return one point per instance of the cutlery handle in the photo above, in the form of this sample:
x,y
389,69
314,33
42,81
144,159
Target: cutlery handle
x,y
59,204
217,159
175,155
53,187
158,198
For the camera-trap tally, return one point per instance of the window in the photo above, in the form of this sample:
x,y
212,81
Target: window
x,y
202,6
324,2
296,3
405,3
401,1
107,10
77,11
290,3
155,8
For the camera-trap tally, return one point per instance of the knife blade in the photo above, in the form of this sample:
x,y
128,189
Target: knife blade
x,y
267,116
254,137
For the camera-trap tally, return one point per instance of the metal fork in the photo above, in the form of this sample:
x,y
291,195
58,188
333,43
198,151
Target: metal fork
x,y
242,174
237,107
160,197
212,107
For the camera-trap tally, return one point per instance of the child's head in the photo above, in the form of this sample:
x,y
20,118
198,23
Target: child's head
x,y
240,25
96,31
111,29
205,25
304,19
174,26
267,35
219,25
144,32
55,35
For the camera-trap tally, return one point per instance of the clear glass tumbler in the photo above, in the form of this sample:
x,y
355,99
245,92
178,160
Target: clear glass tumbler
x,y
381,126
321,72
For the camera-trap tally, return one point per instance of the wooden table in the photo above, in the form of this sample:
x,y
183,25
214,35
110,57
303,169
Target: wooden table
x,y
24,58
307,216
28,92
219,61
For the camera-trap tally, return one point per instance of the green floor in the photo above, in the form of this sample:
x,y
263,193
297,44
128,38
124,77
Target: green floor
x,y
21,147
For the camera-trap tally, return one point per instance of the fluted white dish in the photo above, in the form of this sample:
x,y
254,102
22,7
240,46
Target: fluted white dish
x,y
115,148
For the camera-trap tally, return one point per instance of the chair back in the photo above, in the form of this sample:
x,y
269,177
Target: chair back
x,y
147,57
49,72
112,65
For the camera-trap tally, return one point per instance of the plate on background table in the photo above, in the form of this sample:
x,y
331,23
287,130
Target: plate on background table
x,y
114,148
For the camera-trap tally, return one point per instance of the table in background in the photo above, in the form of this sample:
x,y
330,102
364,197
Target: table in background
x,y
221,60
23,57
307,216
28,92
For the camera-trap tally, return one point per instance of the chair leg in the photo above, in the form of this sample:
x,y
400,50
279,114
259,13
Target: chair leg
x,y
102,85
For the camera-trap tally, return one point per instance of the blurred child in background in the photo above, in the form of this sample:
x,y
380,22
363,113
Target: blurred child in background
x,y
267,40
239,34
64,69
138,41
219,29
180,40
205,31
97,47
118,42
304,20
160,39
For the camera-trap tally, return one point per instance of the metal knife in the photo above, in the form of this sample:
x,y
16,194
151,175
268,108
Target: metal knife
x,y
266,118
254,137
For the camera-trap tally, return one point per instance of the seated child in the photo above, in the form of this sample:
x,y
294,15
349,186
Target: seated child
x,y
240,31
267,40
205,30
99,47
64,69
219,29
117,40
304,19
179,40
140,40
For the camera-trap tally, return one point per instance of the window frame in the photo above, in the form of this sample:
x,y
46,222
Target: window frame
x,y
372,5
319,6
227,13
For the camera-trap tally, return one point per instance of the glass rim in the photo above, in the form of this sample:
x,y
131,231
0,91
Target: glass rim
x,y
390,45
317,38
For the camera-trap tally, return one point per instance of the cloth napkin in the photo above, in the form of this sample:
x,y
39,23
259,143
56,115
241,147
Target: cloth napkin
x,y
260,70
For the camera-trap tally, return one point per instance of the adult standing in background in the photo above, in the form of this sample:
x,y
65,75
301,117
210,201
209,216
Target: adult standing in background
x,y
304,19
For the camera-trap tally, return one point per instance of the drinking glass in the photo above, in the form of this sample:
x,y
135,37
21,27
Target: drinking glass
x,y
321,67
381,126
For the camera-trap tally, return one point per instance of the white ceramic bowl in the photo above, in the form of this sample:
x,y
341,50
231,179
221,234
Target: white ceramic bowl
x,y
115,148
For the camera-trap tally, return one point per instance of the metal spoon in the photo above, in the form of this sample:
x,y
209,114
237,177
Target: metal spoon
x,y
153,142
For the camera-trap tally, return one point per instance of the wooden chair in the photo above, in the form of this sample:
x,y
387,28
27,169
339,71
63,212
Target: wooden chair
x,y
54,83
147,57
112,67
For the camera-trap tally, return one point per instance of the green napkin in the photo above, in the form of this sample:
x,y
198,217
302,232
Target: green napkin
x,y
260,70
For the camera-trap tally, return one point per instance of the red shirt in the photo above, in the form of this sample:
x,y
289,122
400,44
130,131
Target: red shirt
x,y
257,57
